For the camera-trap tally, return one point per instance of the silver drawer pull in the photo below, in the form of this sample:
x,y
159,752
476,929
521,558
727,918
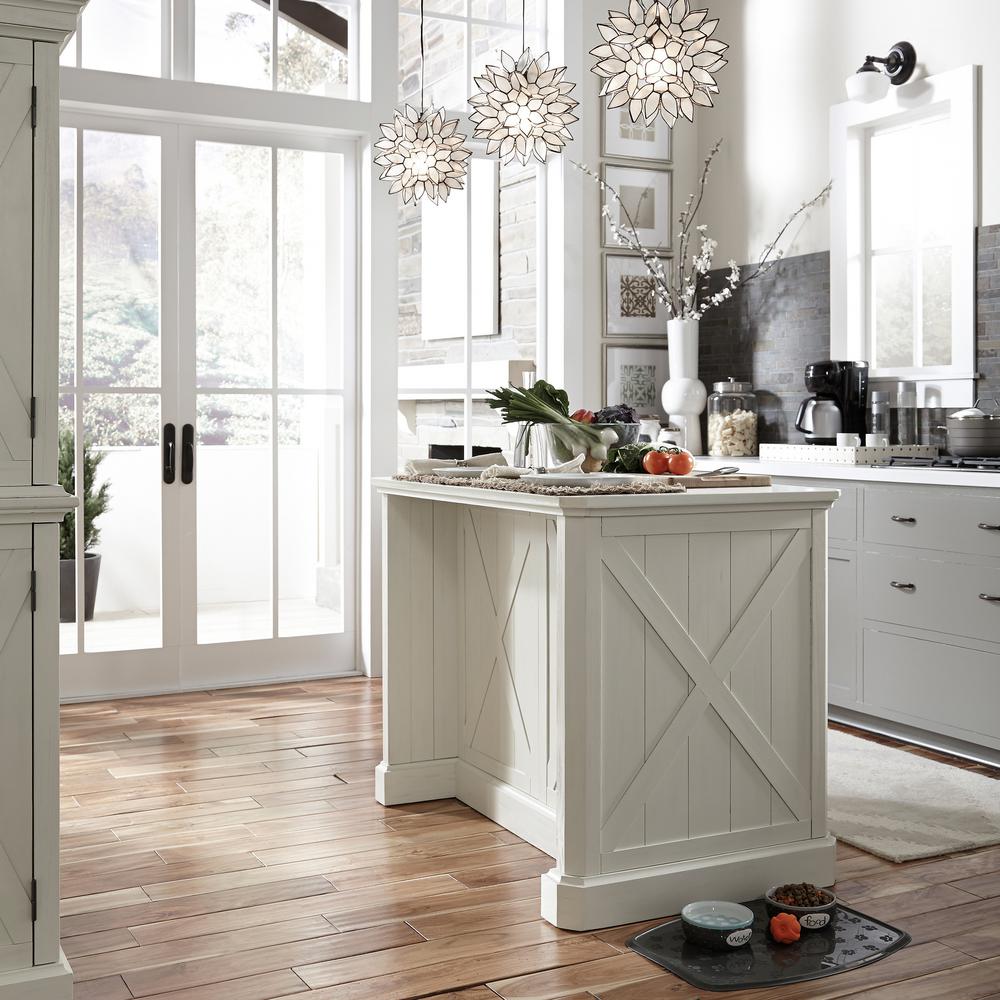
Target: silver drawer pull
x,y
992,598
989,527
902,586
904,520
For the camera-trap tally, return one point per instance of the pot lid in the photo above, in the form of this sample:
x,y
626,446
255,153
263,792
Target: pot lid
x,y
978,413
732,386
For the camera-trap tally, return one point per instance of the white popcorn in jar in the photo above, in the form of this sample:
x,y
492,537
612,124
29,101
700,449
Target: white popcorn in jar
x,y
732,435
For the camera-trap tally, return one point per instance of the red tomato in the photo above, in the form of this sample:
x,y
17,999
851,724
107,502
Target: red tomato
x,y
656,463
681,463
583,416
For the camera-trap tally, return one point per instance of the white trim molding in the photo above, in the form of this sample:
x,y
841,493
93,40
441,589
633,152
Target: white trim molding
x,y
956,95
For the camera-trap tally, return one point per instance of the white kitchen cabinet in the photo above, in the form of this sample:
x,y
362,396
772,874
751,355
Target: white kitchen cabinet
x,y
842,641
32,966
914,640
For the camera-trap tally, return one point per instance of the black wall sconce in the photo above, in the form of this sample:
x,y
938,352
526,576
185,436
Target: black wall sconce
x,y
870,83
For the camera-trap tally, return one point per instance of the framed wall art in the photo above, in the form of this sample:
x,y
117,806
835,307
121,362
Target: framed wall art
x,y
635,375
625,139
630,305
646,194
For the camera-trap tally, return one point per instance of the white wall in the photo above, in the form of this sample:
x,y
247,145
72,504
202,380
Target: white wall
x,y
583,231
788,61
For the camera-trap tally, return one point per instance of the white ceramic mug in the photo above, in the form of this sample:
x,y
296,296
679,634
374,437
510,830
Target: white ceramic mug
x,y
848,440
877,440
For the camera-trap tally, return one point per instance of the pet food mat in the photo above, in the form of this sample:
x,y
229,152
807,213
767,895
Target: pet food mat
x,y
851,941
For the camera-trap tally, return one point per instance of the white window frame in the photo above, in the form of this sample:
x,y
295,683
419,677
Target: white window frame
x,y
177,42
953,94
468,381
539,30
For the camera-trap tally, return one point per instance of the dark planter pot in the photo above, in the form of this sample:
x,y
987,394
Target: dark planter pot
x,y
67,587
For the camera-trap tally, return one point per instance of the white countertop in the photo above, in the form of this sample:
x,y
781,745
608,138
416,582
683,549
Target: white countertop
x,y
600,505
859,473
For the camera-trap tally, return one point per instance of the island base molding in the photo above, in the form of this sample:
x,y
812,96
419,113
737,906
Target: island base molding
x,y
40,982
590,902
398,784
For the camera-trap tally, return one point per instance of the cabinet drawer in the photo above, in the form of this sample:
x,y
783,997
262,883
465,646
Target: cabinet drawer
x,y
941,684
932,594
944,520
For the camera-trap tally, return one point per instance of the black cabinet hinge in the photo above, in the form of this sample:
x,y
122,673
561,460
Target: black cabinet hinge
x,y
34,108
34,593
32,415
34,900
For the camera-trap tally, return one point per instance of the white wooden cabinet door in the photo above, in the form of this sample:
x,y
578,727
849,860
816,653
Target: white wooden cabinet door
x,y
16,790
842,641
16,213
706,689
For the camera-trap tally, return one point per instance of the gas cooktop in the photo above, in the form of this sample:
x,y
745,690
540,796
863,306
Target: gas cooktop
x,y
948,462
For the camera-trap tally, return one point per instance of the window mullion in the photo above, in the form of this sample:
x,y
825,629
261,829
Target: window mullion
x,y
275,555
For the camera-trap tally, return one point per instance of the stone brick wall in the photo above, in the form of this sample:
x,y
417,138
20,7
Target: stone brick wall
x,y
770,330
988,310
518,266
767,333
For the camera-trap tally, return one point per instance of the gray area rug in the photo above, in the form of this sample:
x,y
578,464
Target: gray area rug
x,y
901,806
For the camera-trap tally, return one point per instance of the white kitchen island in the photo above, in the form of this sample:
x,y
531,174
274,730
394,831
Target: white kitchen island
x,y
634,684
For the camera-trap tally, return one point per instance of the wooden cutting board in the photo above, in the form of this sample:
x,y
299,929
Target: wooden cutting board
x,y
735,481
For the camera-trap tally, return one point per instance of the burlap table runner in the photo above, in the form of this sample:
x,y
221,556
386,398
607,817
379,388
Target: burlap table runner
x,y
600,488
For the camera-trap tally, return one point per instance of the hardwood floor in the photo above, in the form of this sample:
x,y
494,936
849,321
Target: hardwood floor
x,y
227,846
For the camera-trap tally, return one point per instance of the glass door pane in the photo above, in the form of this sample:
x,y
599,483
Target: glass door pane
x,y
122,521
233,255
111,391
310,515
233,479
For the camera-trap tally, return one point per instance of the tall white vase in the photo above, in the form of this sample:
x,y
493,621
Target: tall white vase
x,y
683,394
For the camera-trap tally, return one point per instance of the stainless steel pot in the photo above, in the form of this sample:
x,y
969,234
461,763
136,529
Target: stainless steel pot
x,y
974,432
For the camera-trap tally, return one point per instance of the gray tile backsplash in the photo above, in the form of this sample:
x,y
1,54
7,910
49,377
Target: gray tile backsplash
x,y
770,330
988,310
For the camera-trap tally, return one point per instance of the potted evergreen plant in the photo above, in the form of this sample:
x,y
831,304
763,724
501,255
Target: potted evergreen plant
x,y
93,504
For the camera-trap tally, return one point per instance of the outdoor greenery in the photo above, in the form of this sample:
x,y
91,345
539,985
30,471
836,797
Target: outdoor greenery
x,y
95,502
118,207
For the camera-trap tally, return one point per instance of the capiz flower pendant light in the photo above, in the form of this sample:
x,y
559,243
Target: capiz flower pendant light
x,y
523,108
658,59
421,153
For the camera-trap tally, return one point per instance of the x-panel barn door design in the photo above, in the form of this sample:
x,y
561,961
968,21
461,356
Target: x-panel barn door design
x,y
506,647
703,623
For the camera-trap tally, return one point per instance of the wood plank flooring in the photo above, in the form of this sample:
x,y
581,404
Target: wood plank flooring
x,y
227,846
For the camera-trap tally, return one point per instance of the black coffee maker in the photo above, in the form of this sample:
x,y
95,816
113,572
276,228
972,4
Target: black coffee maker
x,y
843,383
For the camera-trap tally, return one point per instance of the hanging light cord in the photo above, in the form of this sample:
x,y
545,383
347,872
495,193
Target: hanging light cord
x,y
422,106
524,21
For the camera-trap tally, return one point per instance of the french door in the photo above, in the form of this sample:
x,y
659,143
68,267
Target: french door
x,y
207,405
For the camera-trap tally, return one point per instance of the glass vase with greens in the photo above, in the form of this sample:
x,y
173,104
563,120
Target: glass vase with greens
x,y
543,405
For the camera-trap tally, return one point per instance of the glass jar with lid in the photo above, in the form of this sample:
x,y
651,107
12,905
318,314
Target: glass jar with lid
x,y
732,420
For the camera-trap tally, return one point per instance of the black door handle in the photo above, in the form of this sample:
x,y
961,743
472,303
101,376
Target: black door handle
x,y
187,454
169,453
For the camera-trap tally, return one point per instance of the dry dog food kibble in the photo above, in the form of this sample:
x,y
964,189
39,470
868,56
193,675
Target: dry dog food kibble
x,y
801,894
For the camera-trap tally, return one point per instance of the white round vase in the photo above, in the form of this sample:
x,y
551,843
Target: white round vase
x,y
683,394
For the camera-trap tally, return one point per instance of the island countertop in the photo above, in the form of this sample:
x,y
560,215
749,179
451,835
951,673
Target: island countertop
x,y
633,684
600,505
